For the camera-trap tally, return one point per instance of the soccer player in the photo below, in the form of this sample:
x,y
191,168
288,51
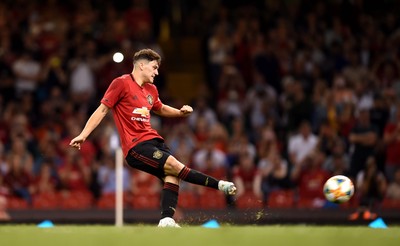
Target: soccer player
x,y
131,98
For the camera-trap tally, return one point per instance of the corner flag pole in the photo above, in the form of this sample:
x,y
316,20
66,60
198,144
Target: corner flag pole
x,y
119,208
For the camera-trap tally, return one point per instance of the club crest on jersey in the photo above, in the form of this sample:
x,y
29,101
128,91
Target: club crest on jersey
x,y
157,154
143,111
150,99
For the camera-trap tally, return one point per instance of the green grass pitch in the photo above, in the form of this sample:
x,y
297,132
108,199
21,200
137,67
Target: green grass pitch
x,y
146,235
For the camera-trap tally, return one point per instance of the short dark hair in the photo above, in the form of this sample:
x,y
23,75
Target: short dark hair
x,y
147,54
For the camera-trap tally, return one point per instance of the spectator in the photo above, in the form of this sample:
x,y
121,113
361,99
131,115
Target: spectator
x,y
325,109
20,127
201,131
230,80
50,155
202,110
106,139
219,47
28,72
342,91
182,140
272,175
327,138
379,114
237,129
46,182
300,109
54,73
371,188
19,148
268,143
363,137
285,98
393,190
220,136
4,216
338,162
244,174
236,148
339,165
230,107
107,176
386,69
3,160
18,180
209,152
364,95
391,139
74,173
4,190
137,17
260,103
82,79
302,144
72,127
310,179
354,71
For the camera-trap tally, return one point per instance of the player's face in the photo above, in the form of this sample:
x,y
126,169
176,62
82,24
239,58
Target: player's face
x,y
150,70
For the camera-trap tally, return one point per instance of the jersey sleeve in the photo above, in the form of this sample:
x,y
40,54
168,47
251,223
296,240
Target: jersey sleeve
x,y
157,104
113,93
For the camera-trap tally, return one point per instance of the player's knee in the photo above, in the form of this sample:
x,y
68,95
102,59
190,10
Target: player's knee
x,y
172,166
172,179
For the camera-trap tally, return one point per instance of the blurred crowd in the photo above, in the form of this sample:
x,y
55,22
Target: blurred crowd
x,y
296,92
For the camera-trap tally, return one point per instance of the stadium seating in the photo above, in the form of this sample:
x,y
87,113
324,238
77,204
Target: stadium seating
x,y
75,200
306,202
248,200
146,201
45,201
281,199
106,201
390,203
188,200
211,199
16,203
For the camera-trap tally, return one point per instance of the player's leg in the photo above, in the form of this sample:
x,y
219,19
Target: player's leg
x,y
169,201
154,157
146,157
173,167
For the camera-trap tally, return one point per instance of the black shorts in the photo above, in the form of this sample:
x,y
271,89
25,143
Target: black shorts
x,y
149,156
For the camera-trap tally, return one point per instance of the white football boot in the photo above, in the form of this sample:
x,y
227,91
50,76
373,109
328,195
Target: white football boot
x,y
168,222
228,188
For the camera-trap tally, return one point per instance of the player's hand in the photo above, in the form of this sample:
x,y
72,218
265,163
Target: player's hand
x,y
76,142
186,110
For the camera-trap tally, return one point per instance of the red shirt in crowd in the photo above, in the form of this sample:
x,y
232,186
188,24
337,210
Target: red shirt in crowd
x,y
311,183
246,175
392,149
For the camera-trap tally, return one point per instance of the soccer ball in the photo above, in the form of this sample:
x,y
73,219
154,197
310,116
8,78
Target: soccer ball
x,y
338,189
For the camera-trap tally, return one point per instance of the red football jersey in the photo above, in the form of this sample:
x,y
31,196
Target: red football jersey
x,y
131,105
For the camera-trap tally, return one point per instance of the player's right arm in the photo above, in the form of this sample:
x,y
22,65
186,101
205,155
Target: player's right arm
x,y
91,124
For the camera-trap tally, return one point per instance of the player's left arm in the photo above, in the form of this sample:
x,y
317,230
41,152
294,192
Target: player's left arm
x,y
168,111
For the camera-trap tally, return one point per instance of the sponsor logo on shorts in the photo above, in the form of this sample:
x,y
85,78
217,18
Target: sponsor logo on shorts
x,y
157,154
